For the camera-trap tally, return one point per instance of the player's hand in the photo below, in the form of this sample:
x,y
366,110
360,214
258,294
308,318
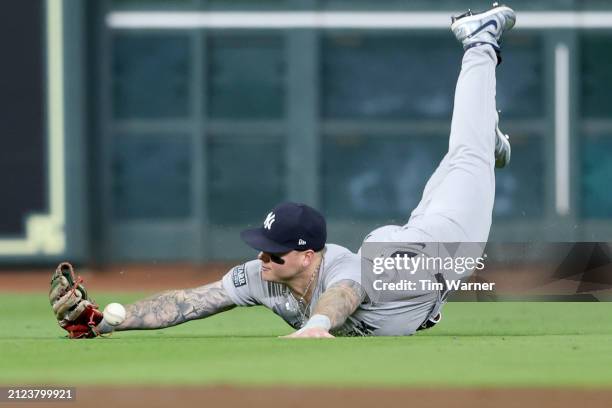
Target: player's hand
x,y
310,333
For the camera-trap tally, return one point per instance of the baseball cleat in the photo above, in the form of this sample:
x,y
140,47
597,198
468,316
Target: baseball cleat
x,y
486,27
503,150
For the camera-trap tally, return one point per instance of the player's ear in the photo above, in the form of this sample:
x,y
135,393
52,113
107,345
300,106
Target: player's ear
x,y
308,257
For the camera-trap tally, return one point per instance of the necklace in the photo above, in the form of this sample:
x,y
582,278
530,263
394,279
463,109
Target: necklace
x,y
302,304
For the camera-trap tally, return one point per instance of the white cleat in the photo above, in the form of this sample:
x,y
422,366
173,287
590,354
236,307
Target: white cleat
x,y
486,27
503,151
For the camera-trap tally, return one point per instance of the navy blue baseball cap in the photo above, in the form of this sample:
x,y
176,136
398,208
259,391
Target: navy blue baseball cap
x,y
288,227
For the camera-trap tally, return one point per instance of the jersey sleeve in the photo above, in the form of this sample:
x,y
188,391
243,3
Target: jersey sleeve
x,y
243,284
346,266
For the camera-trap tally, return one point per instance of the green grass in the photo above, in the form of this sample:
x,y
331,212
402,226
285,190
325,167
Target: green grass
x,y
476,345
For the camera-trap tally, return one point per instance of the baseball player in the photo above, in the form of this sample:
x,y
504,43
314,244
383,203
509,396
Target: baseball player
x,y
315,286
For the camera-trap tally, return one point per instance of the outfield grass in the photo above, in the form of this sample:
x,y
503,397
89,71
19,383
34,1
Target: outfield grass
x,y
477,344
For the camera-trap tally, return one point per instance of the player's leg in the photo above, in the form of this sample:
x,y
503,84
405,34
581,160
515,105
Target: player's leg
x,y
465,195
502,157
461,191
457,201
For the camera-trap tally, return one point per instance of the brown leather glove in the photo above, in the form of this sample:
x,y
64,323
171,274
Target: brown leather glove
x,y
75,311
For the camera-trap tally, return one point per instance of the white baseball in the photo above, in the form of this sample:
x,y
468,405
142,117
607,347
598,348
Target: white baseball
x,y
114,314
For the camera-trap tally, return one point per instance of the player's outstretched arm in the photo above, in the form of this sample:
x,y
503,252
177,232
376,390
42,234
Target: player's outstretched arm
x,y
174,307
335,305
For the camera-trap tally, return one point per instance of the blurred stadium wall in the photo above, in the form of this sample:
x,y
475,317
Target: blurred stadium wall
x,y
152,130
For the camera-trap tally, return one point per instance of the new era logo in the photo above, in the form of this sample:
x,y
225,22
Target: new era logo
x,y
270,218
301,242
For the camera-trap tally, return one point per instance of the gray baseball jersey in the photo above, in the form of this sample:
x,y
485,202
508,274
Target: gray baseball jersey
x,y
245,286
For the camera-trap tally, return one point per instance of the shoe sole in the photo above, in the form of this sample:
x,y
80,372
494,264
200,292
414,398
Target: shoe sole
x,y
482,15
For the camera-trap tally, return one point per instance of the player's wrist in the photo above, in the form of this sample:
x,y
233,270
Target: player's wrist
x,y
103,327
318,321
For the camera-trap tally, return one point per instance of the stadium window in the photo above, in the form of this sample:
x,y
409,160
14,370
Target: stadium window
x,y
245,177
150,75
387,76
596,125
246,76
355,186
151,176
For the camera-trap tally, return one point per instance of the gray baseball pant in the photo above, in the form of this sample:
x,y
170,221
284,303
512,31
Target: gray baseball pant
x,y
457,202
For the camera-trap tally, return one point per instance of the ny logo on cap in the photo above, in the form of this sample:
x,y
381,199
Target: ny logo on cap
x,y
301,242
270,218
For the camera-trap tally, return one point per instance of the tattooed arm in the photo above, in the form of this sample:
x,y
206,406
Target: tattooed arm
x,y
340,301
337,303
174,307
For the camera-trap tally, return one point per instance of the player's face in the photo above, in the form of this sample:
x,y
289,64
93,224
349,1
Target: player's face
x,y
281,267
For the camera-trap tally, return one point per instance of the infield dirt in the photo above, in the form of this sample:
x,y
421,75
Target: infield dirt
x,y
266,397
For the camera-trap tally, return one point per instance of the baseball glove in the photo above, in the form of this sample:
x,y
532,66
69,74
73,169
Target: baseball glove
x,y
75,311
